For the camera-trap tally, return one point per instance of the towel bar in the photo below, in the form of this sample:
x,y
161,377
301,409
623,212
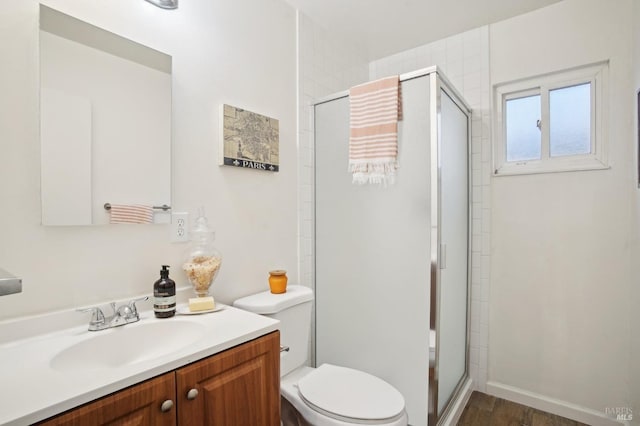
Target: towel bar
x,y
164,207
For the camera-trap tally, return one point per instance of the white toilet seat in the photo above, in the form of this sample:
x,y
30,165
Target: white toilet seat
x,y
333,395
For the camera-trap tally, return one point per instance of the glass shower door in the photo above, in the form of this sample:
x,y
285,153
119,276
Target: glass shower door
x,y
454,248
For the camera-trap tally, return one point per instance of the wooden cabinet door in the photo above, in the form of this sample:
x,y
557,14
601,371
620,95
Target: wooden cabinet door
x,y
138,405
238,387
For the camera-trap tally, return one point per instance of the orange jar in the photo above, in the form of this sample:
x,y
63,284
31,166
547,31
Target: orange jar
x,y
278,281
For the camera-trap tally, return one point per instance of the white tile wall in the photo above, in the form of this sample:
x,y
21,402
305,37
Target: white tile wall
x,y
328,65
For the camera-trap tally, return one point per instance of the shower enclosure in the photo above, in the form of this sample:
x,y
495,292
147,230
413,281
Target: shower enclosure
x,y
392,264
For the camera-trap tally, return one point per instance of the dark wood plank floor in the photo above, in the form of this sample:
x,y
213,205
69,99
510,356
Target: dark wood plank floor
x,y
487,410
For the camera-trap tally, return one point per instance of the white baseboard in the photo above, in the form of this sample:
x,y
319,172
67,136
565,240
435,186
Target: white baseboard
x,y
551,405
457,407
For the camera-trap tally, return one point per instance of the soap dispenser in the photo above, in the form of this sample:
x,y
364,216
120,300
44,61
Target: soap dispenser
x,y
202,260
164,295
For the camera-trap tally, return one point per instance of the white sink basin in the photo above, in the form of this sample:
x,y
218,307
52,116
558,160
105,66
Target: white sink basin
x,y
127,345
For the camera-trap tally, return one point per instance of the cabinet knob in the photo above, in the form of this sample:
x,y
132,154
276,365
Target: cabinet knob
x,y
166,406
192,394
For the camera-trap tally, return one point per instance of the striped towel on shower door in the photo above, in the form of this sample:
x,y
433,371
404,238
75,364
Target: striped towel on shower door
x,y
375,109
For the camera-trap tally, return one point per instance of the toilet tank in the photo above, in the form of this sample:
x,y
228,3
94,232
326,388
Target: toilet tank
x,y
293,310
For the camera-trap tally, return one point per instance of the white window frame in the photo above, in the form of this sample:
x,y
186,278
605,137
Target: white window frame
x,y
597,159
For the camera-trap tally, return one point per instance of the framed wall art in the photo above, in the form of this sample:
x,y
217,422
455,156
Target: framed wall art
x,y
249,140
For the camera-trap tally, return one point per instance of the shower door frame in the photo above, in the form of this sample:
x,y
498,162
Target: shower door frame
x,y
440,84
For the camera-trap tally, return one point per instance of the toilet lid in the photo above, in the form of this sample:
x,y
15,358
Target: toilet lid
x,y
349,393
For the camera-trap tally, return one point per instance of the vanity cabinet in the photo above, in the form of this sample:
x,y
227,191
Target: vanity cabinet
x,y
136,405
240,386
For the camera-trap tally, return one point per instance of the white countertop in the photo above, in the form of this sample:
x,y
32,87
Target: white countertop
x,y
32,390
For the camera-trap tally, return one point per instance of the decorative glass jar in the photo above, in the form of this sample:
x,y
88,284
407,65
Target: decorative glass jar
x,y
202,260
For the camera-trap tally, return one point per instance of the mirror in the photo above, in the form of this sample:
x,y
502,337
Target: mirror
x,y
105,122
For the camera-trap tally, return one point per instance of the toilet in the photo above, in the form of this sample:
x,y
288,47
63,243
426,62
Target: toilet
x,y
329,394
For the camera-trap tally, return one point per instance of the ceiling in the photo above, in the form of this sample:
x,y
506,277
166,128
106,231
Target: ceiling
x,y
384,27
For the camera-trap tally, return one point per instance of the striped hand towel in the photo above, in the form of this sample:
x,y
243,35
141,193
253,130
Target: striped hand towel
x,y
131,213
375,109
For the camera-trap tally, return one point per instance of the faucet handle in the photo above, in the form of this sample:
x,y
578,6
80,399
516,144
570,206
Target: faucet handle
x,y
132,304
125,312
97,316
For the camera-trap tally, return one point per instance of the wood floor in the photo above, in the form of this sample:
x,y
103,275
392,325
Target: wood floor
x,y
487,410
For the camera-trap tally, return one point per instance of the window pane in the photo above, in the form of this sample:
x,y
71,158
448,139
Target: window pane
x,y
523,134
570,116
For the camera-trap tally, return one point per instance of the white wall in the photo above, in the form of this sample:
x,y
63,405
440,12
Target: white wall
x,y
240,52
562,264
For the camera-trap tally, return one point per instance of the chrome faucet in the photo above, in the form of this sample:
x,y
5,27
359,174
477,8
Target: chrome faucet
x,y
125,314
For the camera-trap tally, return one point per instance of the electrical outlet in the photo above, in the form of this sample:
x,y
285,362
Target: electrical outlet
x,y
179,227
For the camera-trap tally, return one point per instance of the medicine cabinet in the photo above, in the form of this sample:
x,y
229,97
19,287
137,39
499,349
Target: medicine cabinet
x,y
105,122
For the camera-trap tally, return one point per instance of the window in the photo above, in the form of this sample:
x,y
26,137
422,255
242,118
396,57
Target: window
x,y
552,123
